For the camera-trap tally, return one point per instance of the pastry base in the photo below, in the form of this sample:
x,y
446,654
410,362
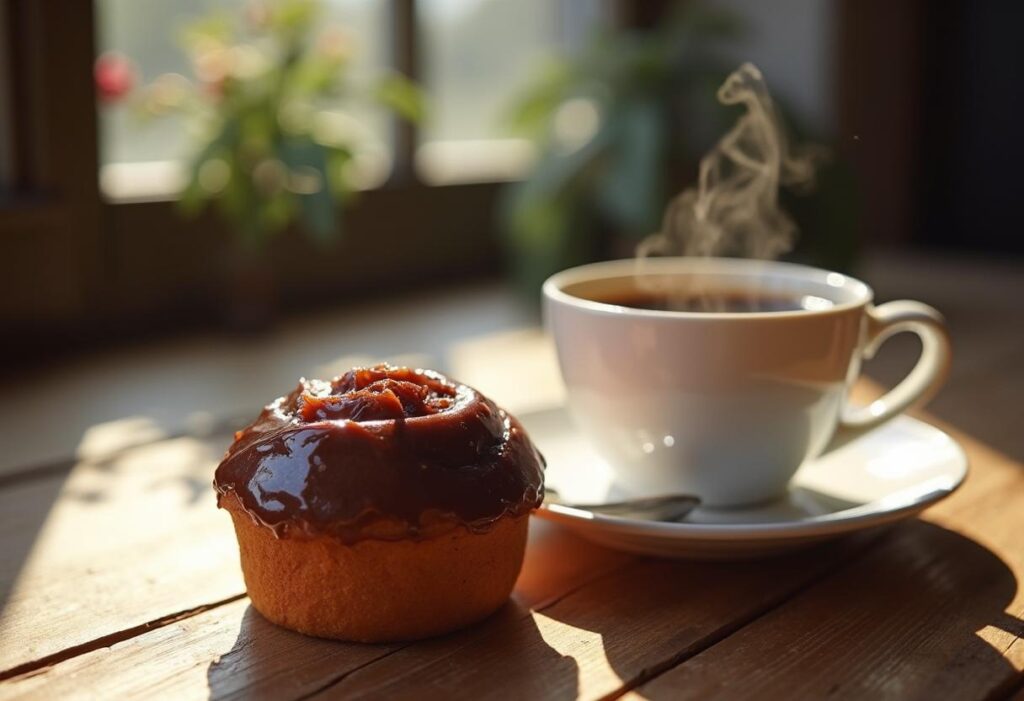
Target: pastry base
x,y
378,590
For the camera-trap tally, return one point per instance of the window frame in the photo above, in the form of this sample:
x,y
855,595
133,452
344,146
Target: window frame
x,y
49,220
78,266
122,264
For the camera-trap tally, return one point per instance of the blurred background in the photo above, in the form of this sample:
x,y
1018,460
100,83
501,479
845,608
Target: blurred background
x,y
202,200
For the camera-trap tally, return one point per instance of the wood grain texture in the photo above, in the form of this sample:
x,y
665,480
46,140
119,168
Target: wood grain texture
x,y
111,546
596,640
934,611
232,652
578,629
231,649
928,609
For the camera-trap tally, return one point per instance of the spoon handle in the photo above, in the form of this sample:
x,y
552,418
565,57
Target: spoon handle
x,y
668,507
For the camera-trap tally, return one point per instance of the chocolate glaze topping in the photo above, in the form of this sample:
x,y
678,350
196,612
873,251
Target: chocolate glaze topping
x,y
381,442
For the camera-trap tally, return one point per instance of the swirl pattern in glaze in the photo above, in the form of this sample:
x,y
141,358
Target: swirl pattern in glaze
x,y
409,447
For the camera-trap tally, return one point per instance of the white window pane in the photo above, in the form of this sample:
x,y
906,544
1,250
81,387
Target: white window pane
x,y
148,32
477,56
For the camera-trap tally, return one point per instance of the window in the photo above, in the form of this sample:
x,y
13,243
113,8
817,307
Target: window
x,y
80,258
141,157
477,55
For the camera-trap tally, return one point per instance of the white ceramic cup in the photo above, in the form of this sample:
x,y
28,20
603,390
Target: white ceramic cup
x,y
726,406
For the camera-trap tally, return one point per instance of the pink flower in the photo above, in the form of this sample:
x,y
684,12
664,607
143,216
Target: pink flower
x,y
115,76
334,44
257,14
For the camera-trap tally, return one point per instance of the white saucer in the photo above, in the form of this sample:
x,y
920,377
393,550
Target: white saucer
x,y
889,474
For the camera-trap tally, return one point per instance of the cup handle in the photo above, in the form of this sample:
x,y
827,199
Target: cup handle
x,y
928,374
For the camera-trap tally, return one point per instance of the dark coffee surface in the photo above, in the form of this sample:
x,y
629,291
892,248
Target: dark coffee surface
x,y
381,442
723,302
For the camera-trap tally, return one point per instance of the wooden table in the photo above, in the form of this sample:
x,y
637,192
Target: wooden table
x,y
120,579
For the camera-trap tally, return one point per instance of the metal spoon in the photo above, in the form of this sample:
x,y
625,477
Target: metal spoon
x,y
668,507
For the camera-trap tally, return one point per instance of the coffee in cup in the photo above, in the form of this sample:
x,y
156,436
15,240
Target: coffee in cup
x,y
720,377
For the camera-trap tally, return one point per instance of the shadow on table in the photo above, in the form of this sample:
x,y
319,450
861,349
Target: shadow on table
x,y
267,661
906,614
503,653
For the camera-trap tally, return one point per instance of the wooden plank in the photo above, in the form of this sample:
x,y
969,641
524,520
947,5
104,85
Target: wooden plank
x,y
112,546
231,651
584,620
599,639
934,612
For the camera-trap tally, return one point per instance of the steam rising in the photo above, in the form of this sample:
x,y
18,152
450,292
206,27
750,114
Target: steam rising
x,y
734,209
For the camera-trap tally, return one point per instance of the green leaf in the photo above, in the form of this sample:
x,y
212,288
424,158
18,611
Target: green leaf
x,y
314,75
631,189
276,212
338,160
557,172
193,196
304,158
192,199
544,216
399,94
531,111
257,128
292,19
215,27
828,218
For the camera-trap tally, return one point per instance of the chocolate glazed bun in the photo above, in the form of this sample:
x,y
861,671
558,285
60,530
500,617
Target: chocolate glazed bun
x,y
388,504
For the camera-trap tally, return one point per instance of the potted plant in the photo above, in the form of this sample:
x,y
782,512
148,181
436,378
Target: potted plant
x,y
270,148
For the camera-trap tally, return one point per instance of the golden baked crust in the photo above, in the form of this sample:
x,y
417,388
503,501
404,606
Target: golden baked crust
x,y
378,590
